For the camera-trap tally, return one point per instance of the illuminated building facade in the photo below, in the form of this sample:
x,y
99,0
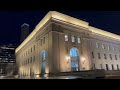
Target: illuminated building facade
x,y
60,43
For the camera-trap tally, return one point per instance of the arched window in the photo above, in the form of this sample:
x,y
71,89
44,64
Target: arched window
x,y
43,55
73,52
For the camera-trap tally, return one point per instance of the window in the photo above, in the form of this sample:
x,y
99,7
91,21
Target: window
x,y
31,60
112,67
28,60
117,67
115,57
103,46
43,55
94,66
108,47
66,37
34,58
31,49
79,41
34,47
113,49
73,38
41,42
101,66
99,56
44,40
110,56
107,68
105,56
92,55
73,52
97,45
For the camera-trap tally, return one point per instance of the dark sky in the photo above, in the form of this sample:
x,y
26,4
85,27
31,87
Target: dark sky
x,y
11,21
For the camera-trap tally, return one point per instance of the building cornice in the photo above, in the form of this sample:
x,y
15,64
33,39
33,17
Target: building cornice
x,y
65,18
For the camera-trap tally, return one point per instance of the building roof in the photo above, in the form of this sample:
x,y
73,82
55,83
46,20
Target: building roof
x,y
25,24
69,19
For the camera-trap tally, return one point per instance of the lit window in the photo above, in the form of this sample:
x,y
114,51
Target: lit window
x,y
73,38
66,37
43,55
79,41
103,46
97,45
73,52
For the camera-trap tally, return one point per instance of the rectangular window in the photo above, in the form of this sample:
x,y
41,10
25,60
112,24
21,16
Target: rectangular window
x,y
99,56
117,67
79,41
113,49
115,57
108,47
34,58
73,38
34,47
44,40
31,60
112,67
97,45
107,68
92,55
41,42
28,60
103,46
110,56
94,66
31,49
105,56
66,37
101,66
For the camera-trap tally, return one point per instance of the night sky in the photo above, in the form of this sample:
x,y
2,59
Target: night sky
x,y
11,21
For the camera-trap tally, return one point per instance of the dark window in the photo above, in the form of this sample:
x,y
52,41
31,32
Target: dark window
x,y
107,68
31,49
105,56
117,67
112,67
115,57
110,56
99,56
92,55
34,47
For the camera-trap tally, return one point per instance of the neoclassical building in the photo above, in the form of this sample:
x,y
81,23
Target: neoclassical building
x,y
60,43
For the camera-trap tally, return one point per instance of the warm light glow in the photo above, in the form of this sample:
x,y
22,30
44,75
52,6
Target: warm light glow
x,y
65,18
67,58
83,59
104,33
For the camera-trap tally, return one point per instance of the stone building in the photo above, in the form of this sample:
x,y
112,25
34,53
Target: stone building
x,y
60,43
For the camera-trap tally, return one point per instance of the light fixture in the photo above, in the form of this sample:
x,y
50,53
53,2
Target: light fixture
x,y
67,58
83,59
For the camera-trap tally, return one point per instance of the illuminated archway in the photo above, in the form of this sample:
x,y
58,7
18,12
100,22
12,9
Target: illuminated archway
x,y
74,59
